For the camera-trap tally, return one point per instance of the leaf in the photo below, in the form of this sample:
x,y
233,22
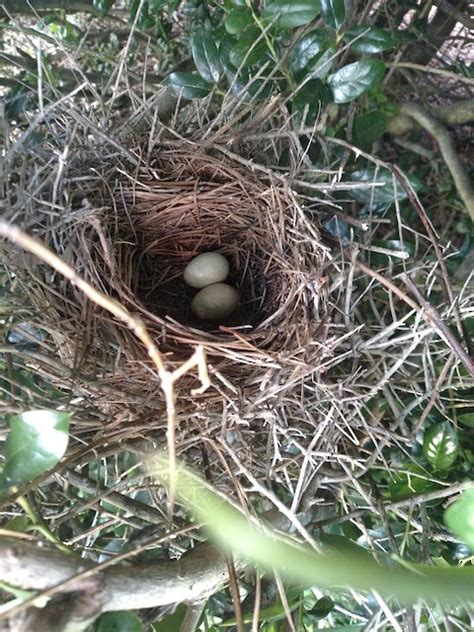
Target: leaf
x,y
292,14
441,445
459,517
466,419
120,621
206,56
381,187
188,84
36,442
306,51
374,40
171,622
322,608
368,128
413,480
333,12
238,20
248,51
309,99
232,531
350,81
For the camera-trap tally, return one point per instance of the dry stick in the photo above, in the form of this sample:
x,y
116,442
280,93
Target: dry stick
x,y
407,502
437,322
135,324
415,202
234,591
429,314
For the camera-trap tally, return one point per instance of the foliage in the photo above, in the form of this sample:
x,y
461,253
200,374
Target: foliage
x,y
331,74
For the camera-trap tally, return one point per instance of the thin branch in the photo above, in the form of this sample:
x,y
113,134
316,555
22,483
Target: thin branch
x,y
135,324
448,151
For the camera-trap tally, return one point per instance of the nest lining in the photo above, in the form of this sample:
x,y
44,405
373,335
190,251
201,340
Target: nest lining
x,y
201,203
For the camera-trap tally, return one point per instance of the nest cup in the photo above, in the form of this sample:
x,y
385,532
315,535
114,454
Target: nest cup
x,y
187,203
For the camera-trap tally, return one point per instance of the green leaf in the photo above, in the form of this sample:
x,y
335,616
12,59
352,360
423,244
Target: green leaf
x,y
206,56
441,445
248,51
306,51
368,128
381,186
459,517
333,12
238,20
292,13
173,621
322,608
413,480
309,99
350,81
374,40
188,84
466,419
233,531
120,621
36,442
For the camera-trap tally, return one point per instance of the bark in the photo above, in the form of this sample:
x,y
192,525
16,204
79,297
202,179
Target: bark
x,y
195,576
13,7
458,113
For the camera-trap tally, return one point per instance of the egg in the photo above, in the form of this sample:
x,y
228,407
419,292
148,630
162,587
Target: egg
x,y
206,269
215,302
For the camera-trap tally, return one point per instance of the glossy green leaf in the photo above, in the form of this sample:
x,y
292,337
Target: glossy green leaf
x,y
466,419
459,517
322,608
238,20
381,188
441,445
306,51
248,51
373,40
206,56
189,85
36,442
368,128
333,13
310,98
120,621
350,81
292,14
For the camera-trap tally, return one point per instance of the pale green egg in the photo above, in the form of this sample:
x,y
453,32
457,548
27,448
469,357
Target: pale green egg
x,y
206,269
215,302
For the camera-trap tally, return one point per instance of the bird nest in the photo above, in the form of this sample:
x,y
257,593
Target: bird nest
x,y
136,246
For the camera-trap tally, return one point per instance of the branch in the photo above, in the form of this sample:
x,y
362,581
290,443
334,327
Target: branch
x,y
458,113
457,14
192,578
448,151
12,7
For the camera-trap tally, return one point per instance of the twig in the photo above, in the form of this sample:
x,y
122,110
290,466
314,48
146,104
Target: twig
x,y
406,502
167,378
234,591
402,179
427,312
434,71
440,326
